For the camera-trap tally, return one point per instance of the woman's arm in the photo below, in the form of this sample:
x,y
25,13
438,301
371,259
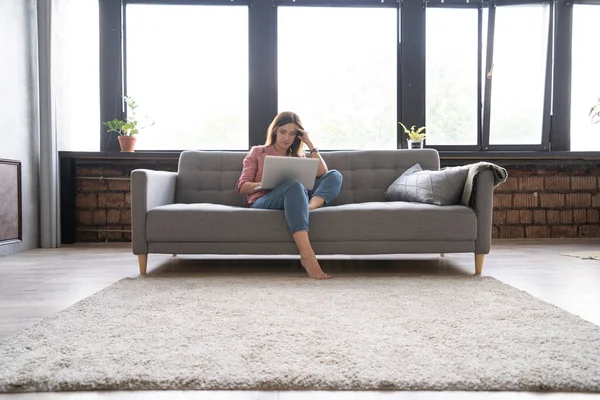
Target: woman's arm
x,y
249,187
246,184
322,166
303,135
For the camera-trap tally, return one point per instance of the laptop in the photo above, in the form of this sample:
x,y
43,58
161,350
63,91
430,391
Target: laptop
x,y
278,169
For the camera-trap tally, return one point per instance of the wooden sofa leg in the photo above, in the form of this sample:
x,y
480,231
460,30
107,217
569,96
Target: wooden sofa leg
x,y
479,263
143,262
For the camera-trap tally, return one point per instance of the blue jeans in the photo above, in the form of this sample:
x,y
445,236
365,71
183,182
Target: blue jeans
x,y
292,197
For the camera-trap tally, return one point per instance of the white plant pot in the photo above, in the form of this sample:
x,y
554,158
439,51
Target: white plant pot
x,y
415,144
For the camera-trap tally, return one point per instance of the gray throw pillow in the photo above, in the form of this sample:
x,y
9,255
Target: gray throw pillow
x,y
443,187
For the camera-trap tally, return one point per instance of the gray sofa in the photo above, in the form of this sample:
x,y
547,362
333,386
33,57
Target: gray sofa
x,y
198,211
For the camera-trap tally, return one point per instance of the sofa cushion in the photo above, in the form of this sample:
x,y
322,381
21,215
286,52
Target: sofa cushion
x,y
442,187
389,221
372,221
210,222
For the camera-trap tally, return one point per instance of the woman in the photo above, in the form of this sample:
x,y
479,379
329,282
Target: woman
x,y
285,137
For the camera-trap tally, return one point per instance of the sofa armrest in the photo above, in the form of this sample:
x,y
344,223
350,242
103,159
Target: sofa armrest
x,y
149,189
484,195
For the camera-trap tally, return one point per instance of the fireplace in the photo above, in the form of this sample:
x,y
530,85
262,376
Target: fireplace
x,y
10,201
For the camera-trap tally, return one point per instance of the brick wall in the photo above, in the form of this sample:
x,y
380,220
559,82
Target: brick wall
x,y
535,202
548,202
102,202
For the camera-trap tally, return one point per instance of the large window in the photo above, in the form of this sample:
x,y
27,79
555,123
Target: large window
x,y
585,77
187,69
514,75
337,69
519,74
452,49
480,75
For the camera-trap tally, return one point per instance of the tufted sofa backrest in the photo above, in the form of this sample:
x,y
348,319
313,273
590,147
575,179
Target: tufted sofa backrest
x,y
210,176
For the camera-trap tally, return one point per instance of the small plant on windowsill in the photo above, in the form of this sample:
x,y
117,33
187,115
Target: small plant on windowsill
x,y
416,136
130,127
595,112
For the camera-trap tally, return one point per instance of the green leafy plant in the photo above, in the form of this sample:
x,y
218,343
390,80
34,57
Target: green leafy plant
x,y
414,134
131,125
595,112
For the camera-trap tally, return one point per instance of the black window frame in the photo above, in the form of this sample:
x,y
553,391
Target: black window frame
x,y
546,114
262,31
262,36
484,103
113,53
563,71
396,4
463,4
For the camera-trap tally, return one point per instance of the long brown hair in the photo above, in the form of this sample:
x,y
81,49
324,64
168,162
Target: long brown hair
x,y
283,118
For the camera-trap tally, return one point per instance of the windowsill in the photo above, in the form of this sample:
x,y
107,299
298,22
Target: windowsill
x,y
521,155
506,156
109,155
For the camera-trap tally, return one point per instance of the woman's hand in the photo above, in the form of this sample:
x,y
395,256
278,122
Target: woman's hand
x,y
250,187
303,136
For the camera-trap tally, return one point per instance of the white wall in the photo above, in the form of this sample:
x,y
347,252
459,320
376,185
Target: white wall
x,y
19,110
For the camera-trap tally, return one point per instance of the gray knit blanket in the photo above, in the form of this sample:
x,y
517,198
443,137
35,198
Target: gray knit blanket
x,y
468,194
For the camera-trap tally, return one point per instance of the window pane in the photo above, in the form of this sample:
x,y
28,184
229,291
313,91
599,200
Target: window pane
x,y
585,81
519,73
451,78
187,68
76,74
337,70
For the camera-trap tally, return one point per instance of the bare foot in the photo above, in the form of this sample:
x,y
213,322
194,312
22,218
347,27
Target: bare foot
x,y
312,267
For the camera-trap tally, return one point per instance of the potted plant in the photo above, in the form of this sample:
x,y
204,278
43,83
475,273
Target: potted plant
x,y
127,129
415,136
595,112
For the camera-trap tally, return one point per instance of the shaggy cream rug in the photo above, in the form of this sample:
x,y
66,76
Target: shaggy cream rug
x,y
274,332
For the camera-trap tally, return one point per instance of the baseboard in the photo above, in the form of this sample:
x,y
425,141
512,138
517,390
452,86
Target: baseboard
x,y
10,246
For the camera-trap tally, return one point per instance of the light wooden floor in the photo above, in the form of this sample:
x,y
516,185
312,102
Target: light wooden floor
x,y
38,283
